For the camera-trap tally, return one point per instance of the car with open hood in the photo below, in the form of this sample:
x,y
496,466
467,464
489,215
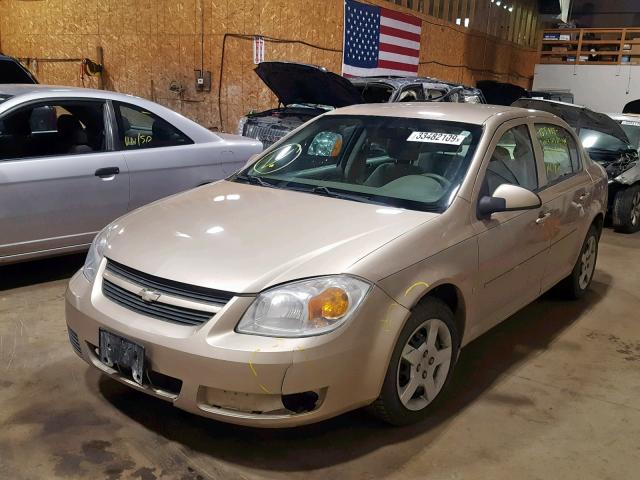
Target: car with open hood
x,y
306,91
343,267
607,142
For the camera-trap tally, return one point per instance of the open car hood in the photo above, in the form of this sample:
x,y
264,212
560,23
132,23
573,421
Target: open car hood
x,y
300,83
576,116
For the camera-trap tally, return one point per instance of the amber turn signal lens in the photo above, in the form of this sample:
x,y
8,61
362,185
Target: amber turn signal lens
x,y
330,304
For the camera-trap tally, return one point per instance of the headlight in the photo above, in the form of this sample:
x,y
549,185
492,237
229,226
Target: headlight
x,y
96,253
304,308
241,124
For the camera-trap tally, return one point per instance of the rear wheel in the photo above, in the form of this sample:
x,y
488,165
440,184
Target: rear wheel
x,y
626,210
576,284
421,364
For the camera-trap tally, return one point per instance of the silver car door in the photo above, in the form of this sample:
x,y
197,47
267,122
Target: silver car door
x,y
511,245
567,189
162,160
53,200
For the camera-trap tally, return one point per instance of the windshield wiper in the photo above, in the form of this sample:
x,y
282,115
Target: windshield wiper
x,y
255,181
327,192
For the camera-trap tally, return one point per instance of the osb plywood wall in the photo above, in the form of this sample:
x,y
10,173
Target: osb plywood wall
x,y
150,44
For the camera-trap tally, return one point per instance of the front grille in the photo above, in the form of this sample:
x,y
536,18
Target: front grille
x,y
161,311
158,309
267,134
74,341
170,287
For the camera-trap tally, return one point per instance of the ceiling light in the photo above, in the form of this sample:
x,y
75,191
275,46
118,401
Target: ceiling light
x,y
511,9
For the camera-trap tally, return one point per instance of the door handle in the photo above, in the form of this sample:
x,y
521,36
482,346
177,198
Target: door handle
x,y
583,196
107,172
543,217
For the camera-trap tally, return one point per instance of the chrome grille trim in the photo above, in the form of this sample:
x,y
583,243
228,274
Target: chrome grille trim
x,y
267,134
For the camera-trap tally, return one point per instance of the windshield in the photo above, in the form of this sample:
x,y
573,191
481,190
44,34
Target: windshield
x,y
402,162
632,129
593,140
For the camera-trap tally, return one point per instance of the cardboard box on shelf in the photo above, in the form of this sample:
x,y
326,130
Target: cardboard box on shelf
x,y
559,49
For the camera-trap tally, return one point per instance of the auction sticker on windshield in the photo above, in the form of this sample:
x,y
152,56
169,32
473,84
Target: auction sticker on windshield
x,y
630,123
436,137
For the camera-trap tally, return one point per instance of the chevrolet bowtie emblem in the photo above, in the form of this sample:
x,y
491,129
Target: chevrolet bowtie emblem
x,y
149,295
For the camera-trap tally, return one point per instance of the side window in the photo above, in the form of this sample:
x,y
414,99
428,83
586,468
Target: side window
x,y
412,93
139,128
53,128
560,153
512,162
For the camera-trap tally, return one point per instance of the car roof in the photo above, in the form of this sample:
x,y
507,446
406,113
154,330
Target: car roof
x,y
401,81
16,89
478,114
20,93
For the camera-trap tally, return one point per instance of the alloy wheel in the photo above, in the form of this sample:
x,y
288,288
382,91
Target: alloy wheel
x,y
588,262
424,364
635,209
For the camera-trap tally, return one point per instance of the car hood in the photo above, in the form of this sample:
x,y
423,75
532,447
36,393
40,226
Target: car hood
x,y
244,238
300,83
576,116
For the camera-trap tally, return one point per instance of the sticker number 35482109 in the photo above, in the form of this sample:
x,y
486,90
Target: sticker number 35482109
x,y
436,137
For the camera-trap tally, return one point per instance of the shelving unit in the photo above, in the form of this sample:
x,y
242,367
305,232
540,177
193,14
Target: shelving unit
x,y
591,46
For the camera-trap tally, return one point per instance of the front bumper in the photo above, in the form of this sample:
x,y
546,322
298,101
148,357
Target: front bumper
x,y
244,379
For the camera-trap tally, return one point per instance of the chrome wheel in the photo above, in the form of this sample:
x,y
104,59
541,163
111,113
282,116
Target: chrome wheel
x,y
424,364
635,209
588,262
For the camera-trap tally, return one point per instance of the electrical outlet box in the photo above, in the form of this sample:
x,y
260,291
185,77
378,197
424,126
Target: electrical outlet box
x,y
203,80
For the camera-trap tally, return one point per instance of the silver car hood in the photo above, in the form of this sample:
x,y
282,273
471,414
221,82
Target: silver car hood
x,y
244,238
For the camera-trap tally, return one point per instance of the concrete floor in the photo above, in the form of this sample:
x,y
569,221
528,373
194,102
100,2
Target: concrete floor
x,y
553,392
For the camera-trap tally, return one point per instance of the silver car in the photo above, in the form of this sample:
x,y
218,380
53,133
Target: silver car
x,y
74,159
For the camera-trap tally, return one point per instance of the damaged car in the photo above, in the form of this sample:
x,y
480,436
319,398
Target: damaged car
x,y
306,91
608,143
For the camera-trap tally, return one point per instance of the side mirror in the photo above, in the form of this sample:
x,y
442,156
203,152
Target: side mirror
x,y
508,198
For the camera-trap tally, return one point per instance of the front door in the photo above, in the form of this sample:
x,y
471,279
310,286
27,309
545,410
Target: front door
x,y
512,246
59,184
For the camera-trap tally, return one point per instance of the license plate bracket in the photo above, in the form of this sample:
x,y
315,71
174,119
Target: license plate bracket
x,y
123,355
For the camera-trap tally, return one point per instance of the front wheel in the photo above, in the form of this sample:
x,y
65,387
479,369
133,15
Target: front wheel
x,y
421,364
626,210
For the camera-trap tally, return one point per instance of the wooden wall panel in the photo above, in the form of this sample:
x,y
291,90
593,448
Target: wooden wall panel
x,y
150,44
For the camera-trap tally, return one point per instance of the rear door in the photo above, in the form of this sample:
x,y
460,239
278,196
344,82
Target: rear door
x,y
565,193
60,180
162,160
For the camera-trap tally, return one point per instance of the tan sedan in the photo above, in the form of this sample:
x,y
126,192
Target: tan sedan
x,y
345,266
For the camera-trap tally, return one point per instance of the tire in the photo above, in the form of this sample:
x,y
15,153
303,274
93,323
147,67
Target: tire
x,y
402,376
626,210
575,285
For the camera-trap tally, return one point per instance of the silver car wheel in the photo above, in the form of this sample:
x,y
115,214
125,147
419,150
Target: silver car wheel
x,y
424,364
588,263
635,209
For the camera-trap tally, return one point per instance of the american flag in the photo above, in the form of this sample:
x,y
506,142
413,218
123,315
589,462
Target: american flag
x,y
379,41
